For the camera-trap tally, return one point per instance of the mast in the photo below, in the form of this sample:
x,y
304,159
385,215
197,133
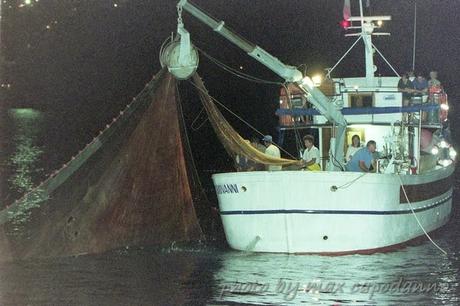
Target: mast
x,y
367,29
367,25
415,36
1,43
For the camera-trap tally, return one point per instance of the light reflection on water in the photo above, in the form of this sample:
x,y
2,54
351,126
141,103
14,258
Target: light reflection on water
x,y
25,158
414,275
198,275
202,274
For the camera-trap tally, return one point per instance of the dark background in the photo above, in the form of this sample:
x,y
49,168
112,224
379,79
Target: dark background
x,y
82,61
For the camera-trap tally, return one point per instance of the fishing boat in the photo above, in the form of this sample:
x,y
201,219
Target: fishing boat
x,y
334,211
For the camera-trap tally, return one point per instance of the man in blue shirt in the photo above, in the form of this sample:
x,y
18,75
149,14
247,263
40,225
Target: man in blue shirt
x,y
362,159
420,85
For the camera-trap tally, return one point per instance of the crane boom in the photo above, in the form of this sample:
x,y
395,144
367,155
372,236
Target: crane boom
x,y
289,73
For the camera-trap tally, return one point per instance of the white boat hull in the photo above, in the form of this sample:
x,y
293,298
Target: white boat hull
x,y
303,212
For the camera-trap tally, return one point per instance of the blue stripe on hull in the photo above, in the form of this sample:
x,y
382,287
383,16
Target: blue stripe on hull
x,y
333,212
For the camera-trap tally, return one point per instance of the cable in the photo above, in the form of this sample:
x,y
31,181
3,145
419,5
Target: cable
x,y
235,72
238,117
192,126
416,218
245,76
189,146
336,163
348,184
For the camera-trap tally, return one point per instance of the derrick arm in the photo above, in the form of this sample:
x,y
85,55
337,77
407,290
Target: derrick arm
x,y
289,73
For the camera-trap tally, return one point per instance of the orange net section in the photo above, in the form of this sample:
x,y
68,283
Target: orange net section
x,y
235,145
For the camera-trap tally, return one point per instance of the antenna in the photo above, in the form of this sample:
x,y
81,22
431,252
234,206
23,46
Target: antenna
x,y
415,35
366,29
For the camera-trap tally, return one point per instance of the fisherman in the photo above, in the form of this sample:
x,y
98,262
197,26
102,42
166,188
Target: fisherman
x,y
311,156
411,75
255,142
362,159
243,162
435,93
420,85
353,147
433,81
271,150
407,88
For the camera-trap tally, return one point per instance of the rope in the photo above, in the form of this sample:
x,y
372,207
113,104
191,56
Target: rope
x,y
196,119
235,72
238,117
386,61
416,218
335,162
189,146
348,184
343,56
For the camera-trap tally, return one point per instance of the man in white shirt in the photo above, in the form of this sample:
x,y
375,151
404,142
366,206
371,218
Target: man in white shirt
x,y
271,150
311,154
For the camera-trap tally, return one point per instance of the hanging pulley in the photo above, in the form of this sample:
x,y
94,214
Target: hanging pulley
x,y
179,55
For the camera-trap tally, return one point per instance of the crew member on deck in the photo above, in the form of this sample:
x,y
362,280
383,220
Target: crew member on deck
x,y
255,142
411,75
420,85
271,150
311,154
433,81
243,163
353,148
407,88
362,160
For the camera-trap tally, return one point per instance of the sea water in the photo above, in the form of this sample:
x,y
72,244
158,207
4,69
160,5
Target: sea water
x,y
206,273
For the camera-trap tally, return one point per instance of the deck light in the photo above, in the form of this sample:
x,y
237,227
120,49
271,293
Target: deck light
x,y
317,79
445,162
345,24
444,107
452,153
443,144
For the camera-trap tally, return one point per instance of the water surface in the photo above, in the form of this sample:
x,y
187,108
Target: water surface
x,y
204,273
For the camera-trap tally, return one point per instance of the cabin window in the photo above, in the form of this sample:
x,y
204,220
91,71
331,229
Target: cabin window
x,y
297,102
361,100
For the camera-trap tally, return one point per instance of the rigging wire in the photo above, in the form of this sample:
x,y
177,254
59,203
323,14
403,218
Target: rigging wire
x,y
239,117
416,218
386,61
196,119
248,77
348,184
336,162
189,146
235,72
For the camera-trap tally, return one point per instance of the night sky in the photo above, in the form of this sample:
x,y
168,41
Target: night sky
x,y
84,60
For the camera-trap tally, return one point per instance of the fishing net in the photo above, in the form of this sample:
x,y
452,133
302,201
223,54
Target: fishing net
x,y
235,145
133,185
